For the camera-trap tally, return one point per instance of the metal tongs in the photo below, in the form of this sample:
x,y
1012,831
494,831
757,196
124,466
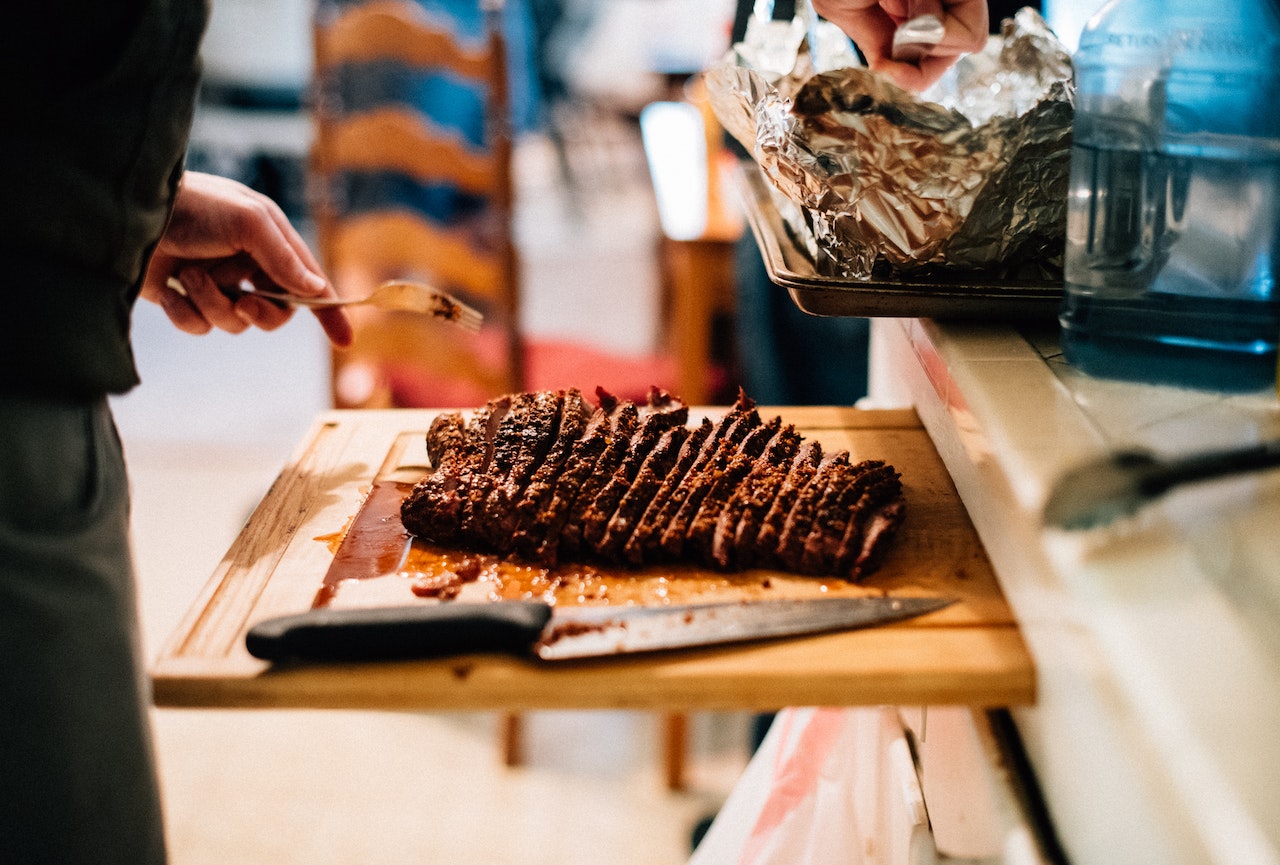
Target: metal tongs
x,y
397,294
1114,486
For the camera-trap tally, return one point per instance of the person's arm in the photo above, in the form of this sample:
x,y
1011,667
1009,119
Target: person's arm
x,y
220,234
871,25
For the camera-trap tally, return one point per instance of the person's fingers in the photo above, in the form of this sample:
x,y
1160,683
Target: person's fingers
x,y
912,76
239,270
210,300
295,240
261,312
181,311
872,26
877,30
265,235
336,325
966,26
905,10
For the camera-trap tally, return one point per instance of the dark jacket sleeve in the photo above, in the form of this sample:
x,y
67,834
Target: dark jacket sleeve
x,y
98,99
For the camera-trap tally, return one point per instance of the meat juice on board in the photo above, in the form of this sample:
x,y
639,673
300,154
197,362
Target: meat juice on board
x,y
1173,220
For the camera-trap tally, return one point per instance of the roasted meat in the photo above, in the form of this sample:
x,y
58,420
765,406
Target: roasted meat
x,y
544,477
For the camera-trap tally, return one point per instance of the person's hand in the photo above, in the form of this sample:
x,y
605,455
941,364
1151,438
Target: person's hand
x,y
871,25
221,235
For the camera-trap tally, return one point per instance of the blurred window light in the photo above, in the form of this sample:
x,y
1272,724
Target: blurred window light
x,y
675,144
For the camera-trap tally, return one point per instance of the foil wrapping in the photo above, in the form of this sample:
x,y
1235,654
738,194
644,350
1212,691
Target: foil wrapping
x,y
968,178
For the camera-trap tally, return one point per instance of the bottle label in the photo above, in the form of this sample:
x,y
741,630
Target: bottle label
x,y
1189,41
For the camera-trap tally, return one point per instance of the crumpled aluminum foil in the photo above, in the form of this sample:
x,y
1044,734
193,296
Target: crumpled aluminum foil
x,y
967,178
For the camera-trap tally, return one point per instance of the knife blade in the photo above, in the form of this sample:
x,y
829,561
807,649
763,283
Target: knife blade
x,y
554,633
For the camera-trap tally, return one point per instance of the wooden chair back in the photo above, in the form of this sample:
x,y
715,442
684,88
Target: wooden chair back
x,y
390,137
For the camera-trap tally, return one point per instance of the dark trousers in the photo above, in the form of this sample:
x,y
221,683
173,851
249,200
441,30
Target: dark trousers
x,y
77,774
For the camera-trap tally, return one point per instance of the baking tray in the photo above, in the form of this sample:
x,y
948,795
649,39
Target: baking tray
x,y
790,265
970,653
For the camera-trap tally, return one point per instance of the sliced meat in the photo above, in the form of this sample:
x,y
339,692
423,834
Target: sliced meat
x,y
544,477
518,454
795,530
877,537
646,523
662,417
882,491
538,531
702,525
542,543
507,440
575,413
445,438
626,423
753,495
439,516
760,548
661,460
686,501
662,402
834,511
432,497
656,524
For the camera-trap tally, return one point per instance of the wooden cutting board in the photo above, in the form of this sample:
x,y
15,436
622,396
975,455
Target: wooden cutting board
x,y
970,653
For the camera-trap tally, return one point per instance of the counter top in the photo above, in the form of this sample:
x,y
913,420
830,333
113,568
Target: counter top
x,y
1154,735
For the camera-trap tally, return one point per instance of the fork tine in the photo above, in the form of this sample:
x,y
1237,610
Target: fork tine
x,y
440,304
454,310
468,318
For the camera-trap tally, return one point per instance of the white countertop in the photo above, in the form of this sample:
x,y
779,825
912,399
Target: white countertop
x,y
1156,735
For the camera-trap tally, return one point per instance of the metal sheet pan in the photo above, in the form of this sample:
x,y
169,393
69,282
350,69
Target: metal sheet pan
x,y
789,265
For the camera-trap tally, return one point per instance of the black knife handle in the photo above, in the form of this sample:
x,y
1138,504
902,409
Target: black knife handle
x,y
390,633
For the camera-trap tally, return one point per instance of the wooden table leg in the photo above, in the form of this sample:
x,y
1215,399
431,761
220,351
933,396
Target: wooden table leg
x,y
675,742
511,738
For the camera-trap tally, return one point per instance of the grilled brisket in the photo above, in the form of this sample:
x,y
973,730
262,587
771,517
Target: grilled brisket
x,y
543,477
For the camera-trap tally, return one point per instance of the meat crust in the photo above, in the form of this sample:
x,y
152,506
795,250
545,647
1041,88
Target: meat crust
x,y
544,477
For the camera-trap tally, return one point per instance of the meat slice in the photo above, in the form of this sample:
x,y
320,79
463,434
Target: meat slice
x,y
541,542
660,401
445,438
879,494
687,498
661,415
876,538
626,424
754,493
575,413
507,441
433,496
645,508
795,530
437,511
545,514
648,478
647,541
702,525
759,547
519,450
834,511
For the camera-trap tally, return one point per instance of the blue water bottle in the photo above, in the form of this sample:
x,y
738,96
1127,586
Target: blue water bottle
x,y
1173,220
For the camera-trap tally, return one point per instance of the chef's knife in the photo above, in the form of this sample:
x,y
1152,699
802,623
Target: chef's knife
x,y
559,633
